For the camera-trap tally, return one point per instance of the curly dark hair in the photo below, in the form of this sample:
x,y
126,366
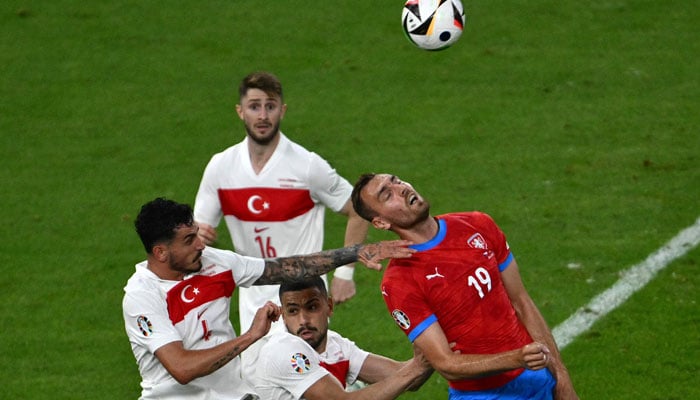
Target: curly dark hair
x,y
158,220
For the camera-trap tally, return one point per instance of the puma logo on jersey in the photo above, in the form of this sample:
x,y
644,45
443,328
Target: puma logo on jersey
x,y
435,275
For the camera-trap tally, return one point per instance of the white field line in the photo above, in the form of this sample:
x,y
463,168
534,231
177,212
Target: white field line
x,y
631,280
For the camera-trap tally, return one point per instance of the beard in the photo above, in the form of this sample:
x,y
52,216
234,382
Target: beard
x,y
409,221
187,268
263,140
314,343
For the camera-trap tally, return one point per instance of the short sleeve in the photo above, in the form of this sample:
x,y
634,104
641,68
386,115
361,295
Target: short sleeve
x,y
146,320
289,363
207,206
495,237
326,185
406,304
246,270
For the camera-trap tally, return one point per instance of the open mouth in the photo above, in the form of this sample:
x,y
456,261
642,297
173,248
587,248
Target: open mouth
x,y
412,199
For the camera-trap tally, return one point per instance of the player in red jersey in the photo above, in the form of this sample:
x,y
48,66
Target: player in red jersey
x,y
460,298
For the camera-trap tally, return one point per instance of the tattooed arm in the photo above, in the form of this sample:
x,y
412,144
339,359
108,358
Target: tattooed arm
x,y
298,268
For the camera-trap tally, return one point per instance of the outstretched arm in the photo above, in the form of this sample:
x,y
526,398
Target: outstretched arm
x,y
390,387
377,367
298,268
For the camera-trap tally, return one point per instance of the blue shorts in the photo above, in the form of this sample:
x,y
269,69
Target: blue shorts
x,y
530,385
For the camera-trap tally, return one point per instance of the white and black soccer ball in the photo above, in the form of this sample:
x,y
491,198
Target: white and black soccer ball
x,y
433,24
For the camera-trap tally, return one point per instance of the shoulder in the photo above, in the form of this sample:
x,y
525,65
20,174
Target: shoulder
x,y
227,154
141,280
284,350
465,215
144,291
476,219
288,144
337,342
291,148
336,338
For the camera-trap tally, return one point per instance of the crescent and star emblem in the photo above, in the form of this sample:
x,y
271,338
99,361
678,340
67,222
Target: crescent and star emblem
x,y
183,295
253,200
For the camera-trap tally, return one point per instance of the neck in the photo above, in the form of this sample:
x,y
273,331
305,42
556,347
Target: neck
x,y
260,153
321,348
421,232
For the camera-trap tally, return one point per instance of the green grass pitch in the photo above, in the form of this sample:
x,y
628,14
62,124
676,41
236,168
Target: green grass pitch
x,y
574,124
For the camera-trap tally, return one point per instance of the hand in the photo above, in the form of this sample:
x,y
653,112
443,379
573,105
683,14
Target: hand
x,y
342,290
535,356
263,319
419,358
207,233
372,254
419,365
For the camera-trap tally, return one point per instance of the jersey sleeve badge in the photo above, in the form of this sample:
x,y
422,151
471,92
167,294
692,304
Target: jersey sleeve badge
x,y
401,319
144,325
300,363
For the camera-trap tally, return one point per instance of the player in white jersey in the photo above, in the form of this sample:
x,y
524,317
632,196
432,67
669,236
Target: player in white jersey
x,y
197,314
273,193
176,304
312,362
279,212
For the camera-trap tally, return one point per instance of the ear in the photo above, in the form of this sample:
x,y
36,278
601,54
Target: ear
x,y
239,111
330,306
284,111
380,223
160,252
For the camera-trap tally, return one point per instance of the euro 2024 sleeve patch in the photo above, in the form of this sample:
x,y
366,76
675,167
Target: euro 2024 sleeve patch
x,y
300,363
144,325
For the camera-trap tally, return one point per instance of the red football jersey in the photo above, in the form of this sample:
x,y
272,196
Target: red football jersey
x,y
455,280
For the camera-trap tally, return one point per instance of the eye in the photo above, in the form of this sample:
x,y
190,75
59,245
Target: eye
x,y
292,311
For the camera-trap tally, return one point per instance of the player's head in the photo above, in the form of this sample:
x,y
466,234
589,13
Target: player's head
x,y
261,106
388,202
306,309
169,234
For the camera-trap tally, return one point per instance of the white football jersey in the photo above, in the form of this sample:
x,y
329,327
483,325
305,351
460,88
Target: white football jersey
x,y
279,212
194,311
288,366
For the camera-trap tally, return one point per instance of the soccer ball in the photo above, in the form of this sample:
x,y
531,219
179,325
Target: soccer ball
x,y
433,24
